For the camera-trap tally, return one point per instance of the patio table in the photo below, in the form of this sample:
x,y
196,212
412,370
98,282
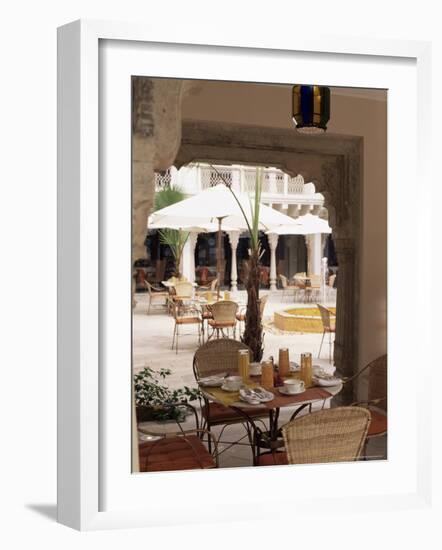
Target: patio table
x,y
312,395
171,284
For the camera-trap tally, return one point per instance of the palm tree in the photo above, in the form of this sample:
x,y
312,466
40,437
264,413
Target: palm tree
x,y
253,335
175,239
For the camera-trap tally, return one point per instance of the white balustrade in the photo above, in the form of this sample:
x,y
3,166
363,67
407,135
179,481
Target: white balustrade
x,y
196,177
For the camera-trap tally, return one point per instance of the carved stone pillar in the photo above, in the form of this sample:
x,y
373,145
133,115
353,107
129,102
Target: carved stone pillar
x,y
345,348
188,258
293,210
156,127
315,254
233,239
308,246
273,243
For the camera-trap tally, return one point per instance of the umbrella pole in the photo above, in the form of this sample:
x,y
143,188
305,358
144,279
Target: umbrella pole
x,y
218,256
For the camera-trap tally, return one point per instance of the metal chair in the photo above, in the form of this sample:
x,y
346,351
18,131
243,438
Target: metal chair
x,y
312,288
329,435
157,296
183,450
185,315
183,290
212,287
376,401
286,287
328,319
241,316
221,357
299,283
224,318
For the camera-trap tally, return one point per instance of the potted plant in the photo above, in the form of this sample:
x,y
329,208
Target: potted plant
x,y
154,400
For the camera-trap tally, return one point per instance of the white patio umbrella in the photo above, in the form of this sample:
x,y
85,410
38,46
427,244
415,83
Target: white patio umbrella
x,y
308,224
304,225
217,205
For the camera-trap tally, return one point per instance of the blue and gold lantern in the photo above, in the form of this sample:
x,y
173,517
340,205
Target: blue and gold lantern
x,y
311,108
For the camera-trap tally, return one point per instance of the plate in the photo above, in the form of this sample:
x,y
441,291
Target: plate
x,y
215,383
223,387
216,380
327,369
285,392
325,382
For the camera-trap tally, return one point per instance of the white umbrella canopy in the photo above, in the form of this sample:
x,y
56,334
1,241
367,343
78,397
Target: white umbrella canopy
x,y
304,225
214,204
217,205
183,226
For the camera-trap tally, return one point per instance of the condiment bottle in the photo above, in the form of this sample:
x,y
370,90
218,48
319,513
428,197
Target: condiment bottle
x,y
267,374
283,363
243,364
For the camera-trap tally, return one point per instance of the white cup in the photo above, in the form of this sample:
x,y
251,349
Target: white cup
x,y
293,385
255,369
233,382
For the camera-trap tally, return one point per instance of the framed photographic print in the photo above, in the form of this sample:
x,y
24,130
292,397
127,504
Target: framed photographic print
x,y
231,277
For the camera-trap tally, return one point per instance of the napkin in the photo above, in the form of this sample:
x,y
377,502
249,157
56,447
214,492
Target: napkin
x,y
249,397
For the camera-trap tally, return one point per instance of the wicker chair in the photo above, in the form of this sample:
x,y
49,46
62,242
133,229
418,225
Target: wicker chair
x,y
157,296
312,288
241,316
299,283
286,287
185,315
377,396
183,450
212,287
183,290
328,319
224,318
329,435
220,357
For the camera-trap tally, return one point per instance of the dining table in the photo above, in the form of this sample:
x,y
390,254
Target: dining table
x,y
171,284
271,439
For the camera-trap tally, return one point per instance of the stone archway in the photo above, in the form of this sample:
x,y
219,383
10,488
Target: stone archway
x,y
333,164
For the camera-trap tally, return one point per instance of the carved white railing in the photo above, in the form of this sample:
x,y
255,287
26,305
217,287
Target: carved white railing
x,y
243,178
210,177
163,179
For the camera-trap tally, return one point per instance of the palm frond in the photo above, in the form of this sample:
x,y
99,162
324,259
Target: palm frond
x,y
167,196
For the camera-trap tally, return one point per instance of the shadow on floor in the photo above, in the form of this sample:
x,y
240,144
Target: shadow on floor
x,y
49,511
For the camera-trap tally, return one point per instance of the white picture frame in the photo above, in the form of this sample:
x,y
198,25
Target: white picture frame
x,y
81,442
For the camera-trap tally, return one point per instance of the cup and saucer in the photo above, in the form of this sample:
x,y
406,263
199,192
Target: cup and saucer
x,y
292,387
232,383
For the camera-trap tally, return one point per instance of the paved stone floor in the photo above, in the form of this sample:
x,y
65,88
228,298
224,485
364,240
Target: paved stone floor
x,y
152,347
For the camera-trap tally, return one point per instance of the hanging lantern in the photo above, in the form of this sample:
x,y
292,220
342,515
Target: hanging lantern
x,y
311,108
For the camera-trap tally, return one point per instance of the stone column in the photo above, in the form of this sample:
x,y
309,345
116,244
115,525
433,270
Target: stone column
x,y
345,348
316,253
308,245
188,258
273,243
293,210
156,136
324,270
233,239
